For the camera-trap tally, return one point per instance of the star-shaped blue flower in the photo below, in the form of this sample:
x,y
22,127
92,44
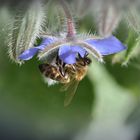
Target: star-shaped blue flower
x,y
69,50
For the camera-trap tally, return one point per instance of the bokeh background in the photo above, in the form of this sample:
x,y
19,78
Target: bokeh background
x,y
106,104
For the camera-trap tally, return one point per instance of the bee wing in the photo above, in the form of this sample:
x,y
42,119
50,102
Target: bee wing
x,y
71,89
65,87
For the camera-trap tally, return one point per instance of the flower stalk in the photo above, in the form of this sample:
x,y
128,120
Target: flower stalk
x,y
70,24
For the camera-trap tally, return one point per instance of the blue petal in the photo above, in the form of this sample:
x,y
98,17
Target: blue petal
x,y
47,41
106,46
28,54
78,49
67,55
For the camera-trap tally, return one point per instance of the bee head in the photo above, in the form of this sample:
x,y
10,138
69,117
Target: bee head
x,y
87,60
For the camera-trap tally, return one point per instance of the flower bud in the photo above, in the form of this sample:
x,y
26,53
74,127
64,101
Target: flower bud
x,y
25,29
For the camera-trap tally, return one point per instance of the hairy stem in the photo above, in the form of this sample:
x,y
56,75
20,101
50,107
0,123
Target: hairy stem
x,y
70,24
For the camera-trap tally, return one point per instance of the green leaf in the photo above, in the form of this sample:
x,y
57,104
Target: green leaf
x,y
133,50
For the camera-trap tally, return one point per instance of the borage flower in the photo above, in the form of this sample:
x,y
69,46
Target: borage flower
x,y
67,61
69,47
66,58
68,50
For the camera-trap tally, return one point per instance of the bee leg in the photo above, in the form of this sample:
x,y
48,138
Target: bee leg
x,y
61,70
59,62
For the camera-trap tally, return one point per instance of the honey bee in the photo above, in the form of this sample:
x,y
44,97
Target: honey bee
x,y
67,74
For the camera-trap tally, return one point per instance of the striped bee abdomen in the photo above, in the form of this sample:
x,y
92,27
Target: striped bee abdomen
x,y
53,73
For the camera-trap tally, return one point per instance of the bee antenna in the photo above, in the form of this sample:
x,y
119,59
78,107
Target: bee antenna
x,y
79,56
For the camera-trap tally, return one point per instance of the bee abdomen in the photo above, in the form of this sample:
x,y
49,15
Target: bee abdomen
x,y
53,73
